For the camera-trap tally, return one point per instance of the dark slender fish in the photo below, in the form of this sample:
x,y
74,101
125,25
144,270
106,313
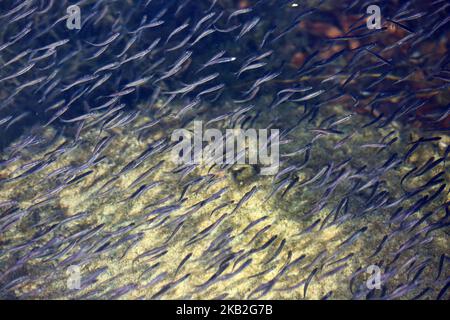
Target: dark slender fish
x,y
245,198
254,223
182,263
308,281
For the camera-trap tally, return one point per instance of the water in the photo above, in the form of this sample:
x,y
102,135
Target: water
x,y
94,205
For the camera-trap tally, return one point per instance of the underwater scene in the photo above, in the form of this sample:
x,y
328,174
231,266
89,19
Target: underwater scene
x,y
224,149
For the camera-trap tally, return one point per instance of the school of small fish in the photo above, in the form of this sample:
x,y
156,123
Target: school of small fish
x,y
90,194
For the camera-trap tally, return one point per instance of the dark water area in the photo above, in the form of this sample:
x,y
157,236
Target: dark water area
x,y
93,204
276,17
